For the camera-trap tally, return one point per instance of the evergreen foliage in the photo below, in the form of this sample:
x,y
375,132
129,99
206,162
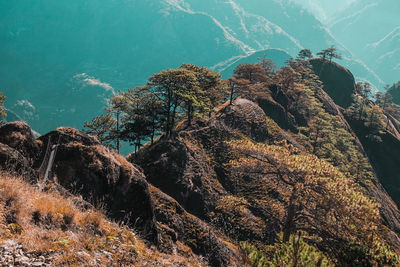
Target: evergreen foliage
x,y
144,112
315,192
101,127
329,53
305,54
375,116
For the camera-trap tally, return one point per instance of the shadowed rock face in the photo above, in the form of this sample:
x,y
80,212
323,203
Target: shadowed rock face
x,y
183,173
182,168
13,161
83,166
176,224
384,156
338,81
18,135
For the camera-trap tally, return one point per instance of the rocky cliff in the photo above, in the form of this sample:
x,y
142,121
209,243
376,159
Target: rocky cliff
x,y
249,180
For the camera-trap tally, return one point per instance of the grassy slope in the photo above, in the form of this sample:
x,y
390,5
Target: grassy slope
x,y
48,224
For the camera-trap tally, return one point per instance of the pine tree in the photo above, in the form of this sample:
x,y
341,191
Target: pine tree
x,y
268,65
101,127
329,53
212,89
385,101
312,192
305,54
254,73
116,107
286,78
237,86
179,91
360,100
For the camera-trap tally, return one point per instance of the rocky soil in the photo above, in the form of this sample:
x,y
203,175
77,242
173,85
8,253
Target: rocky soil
x,y
13,254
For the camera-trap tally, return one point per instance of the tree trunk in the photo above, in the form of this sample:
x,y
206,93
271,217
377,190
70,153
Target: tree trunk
x,y
289,223
168,130
152,131
189,114
118,132
173,117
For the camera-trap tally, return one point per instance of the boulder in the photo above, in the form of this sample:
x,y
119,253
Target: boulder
x,y
338,81
181,169
247,117
84,166
14,162
18,135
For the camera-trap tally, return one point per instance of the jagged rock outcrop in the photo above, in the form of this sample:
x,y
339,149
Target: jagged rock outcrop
x,y
102,177
182,167
338,81
18,149
83,166
248,118
18,135
193,169
182,170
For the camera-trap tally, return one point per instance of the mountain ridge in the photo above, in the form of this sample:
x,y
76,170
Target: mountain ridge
x,y
232,177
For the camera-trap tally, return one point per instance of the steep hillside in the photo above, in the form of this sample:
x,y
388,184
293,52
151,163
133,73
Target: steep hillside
x,y
379,139
240,172
324,10
85,176
52,229
280,174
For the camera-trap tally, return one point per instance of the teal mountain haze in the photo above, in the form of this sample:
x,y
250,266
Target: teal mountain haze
x,y
57,55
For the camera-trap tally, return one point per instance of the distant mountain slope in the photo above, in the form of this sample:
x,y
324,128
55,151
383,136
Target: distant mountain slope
x,y
371,29
57,54
279,57
324,10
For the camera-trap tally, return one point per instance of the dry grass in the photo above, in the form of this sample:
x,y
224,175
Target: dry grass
x,y
122,161
68,130
45,223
